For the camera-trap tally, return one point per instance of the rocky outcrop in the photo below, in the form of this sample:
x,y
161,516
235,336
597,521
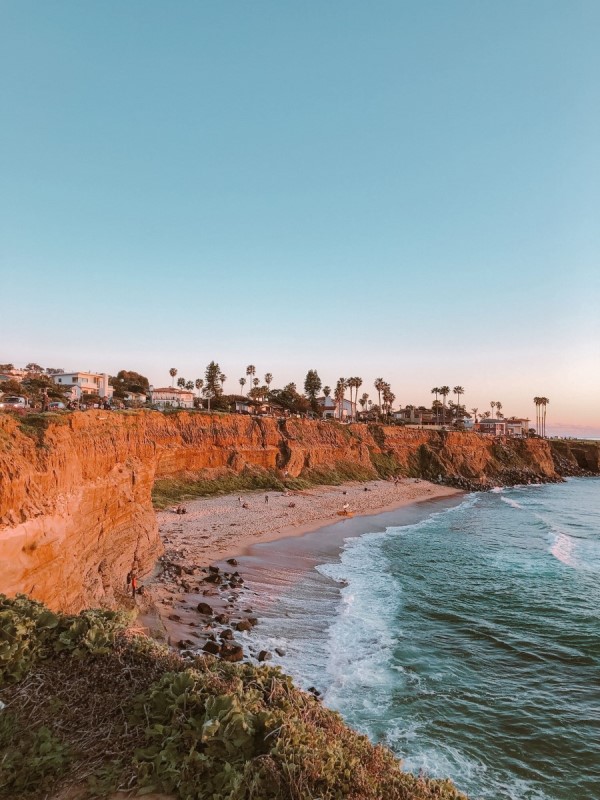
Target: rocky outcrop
x,y
75,490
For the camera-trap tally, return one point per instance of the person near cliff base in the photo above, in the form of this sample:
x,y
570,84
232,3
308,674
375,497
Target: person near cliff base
x,y
134,584
267,499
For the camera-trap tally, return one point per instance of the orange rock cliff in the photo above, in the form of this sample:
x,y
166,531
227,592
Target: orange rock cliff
x,y
75,490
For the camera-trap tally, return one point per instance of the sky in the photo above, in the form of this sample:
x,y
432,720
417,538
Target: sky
x,y
386,189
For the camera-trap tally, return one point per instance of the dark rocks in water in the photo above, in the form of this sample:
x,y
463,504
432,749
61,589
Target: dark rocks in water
x,y
253,621
209,592
243,625
280,651
213,578
264,655
214,570
232,652
174,617
204,608
222,619
314,691
232,561
226,634
212,647
184,643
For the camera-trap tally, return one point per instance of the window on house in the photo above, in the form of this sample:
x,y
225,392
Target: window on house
x,y
74,380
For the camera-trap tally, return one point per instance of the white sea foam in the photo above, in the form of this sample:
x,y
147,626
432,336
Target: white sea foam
x,y
563,548
509,501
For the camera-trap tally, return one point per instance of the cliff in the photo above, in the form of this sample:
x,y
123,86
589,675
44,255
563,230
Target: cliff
x,y
75,489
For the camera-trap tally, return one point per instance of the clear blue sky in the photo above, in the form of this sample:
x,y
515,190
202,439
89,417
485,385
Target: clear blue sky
x,y
397,189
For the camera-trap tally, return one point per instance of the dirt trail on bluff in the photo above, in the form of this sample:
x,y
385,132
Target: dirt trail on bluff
x,y
75,489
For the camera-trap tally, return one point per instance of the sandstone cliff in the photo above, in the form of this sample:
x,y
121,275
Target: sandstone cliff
x,y
75,489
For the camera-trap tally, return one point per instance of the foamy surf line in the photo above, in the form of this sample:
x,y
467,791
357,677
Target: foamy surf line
x,y
297,600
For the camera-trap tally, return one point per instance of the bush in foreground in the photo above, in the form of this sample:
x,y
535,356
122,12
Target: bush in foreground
x,y
89,704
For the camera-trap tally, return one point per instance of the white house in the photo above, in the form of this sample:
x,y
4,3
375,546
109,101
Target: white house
x,y
82,383
169,397
137,398
517,427
331,410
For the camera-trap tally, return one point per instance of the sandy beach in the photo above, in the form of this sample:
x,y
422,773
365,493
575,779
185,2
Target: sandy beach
x,y
218,527
199,565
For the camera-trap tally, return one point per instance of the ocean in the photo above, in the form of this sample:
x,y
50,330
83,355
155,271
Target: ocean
x,y
465,635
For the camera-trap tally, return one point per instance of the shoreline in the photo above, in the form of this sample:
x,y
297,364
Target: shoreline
x,y
205,537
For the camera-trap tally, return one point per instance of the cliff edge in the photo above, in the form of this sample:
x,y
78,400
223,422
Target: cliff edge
x,y
76,489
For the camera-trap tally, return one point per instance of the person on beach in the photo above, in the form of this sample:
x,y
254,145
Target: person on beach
x,y
267,499
133,584
240,500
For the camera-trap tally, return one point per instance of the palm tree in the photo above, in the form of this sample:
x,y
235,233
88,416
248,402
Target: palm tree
x,y
172,373
326,391
363,401
436,391
357,385
492,406
181,382
444,391
268,379
388,399
199,383
538,414
543,403
242,384
474,412
189,385
498,409
340,391
222,378
255,382
250,370
486,415
458,390
379,386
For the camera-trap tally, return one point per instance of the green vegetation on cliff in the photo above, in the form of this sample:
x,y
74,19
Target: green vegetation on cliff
x,y
88,704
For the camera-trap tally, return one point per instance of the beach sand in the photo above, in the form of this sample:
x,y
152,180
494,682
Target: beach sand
x,y
219,528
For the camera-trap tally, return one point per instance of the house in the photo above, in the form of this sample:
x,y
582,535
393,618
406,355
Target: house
x,y
494,427
242,405
135,398
270,409
84,383
169,397
330,408
517,427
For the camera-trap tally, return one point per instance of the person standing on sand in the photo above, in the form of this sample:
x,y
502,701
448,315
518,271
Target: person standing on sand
x,y
240,500
267,499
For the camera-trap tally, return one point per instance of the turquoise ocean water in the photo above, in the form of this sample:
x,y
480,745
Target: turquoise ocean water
x,y
467,641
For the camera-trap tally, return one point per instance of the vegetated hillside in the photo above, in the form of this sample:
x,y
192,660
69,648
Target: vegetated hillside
x,y
76,506
89,706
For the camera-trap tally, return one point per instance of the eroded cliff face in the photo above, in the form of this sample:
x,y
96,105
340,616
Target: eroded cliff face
x,y
75,490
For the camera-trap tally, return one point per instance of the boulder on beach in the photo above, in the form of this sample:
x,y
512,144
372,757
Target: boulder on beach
x,y
264,655
212,647
204,608
243,625
232,652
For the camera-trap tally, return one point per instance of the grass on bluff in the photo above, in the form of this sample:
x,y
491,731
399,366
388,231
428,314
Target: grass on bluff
x,y
89,705
170,491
